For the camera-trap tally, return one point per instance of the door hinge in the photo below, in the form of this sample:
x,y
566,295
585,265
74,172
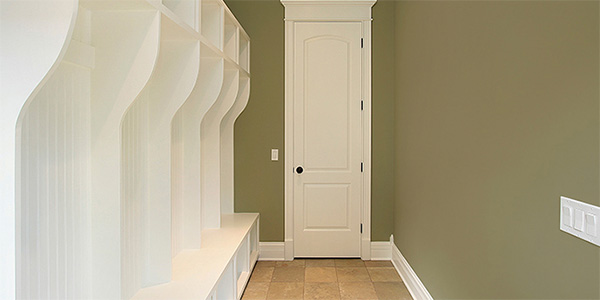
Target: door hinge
x,y
362,44
362,105
360,227
361,166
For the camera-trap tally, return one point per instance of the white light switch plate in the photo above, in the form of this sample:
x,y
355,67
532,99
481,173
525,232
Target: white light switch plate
x,y
580,219
274,154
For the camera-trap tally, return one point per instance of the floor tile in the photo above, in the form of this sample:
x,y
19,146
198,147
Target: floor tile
x,y
283,274
321,290
384,274
320,263
352,274
316,279
286,290
291,263
391,291
357,290
351,262
266,263
256,291
378,263
262,274
320,274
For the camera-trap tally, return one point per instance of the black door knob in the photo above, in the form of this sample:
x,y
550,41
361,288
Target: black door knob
x,y
299,170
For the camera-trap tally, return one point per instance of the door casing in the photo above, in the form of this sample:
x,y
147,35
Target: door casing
x,y
327,11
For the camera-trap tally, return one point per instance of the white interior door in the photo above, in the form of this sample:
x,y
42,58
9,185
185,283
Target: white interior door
x,y
327,139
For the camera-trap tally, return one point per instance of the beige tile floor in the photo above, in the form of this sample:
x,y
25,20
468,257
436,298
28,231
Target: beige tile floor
x,y
325,279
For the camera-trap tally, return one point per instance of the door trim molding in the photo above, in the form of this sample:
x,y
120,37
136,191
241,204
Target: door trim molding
x,y
341,10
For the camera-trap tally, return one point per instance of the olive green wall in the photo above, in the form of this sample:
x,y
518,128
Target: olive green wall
x,y
259,182
383,101
496,118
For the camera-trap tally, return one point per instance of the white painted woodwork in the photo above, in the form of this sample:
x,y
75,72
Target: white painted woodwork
x,y
146,185
127,48
327,68
230,40
210,140
244,56
212,20
55,141
327,139
186,199
53,148
227,149
219,249
102,108
187,10
20,80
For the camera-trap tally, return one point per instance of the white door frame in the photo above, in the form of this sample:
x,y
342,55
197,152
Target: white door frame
x,y
327,10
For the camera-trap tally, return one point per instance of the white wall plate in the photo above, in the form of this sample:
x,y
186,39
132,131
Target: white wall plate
x,y
580,219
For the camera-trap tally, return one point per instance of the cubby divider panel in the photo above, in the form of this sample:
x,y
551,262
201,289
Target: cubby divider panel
x,y
55,199
22,79
254,244
242,267
227,153
187,10
126,49
53,148
244,56
211,150
230,39
226,287
212,22
187,205
146,187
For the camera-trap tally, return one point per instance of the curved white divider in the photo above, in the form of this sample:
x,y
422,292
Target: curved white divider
x,y
126,52
227,154
146,164
210,153
186,195
52,164
46,36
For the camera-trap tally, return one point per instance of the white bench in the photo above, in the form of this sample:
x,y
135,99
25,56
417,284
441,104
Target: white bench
x,y
220,269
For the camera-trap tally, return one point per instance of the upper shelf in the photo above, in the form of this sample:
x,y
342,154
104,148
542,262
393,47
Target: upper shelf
x,y
209,21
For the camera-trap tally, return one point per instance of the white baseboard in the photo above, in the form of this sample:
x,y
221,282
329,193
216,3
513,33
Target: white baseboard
x,y
276,251
381,251
271,251
411,280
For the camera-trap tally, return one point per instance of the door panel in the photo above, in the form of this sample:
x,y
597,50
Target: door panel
x,y
327,139
326,207
326,60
